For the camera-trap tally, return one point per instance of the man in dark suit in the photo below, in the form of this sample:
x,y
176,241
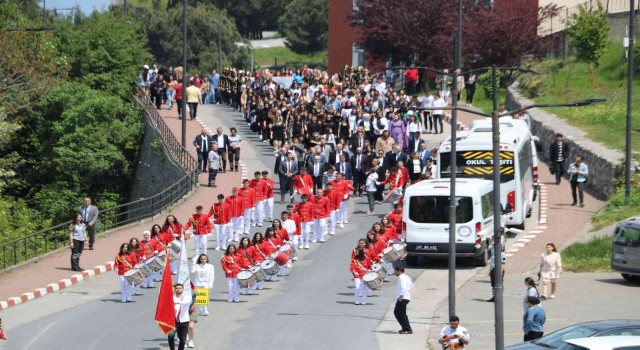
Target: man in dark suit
x,y
394,156
280,157
558,153
424,153
223,147
344,167
357,140
334,157
202,143
415,144
360,164
288,169
317,151
316,170
90,218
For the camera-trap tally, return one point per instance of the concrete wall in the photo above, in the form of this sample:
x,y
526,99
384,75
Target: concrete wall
x,y
604,163
619,24
154,170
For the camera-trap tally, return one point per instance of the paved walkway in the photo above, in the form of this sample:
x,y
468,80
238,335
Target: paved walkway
x,y
56,267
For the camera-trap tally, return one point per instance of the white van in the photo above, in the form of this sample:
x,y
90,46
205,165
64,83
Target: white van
x,y
426,219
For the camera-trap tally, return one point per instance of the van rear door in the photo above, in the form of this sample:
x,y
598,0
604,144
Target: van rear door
x,y
626,250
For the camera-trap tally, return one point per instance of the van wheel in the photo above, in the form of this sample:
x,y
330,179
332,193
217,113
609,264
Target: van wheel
x,y
631,278
529,212
481,260
411,260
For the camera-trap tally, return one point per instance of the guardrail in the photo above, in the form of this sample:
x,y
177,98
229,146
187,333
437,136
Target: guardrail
x,y
53,238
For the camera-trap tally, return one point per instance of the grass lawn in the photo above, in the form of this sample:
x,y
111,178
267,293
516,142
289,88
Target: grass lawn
x,y
283,56
592,256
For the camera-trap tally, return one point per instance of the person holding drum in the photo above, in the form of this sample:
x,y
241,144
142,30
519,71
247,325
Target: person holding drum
x,y
359,267
257,255
393,235
124,262
290,226
269,246
203,276
245,260
149,249
136,249
231,268
368,252
221,222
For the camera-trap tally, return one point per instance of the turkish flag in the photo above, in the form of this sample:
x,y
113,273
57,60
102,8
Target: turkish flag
x,y
165,312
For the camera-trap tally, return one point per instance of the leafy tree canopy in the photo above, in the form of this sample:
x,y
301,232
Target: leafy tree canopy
x,y
305,25
588,32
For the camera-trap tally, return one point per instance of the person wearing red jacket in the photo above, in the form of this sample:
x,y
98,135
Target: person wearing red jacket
x,y
321,213
268,202
406,179
201,229
236,205
395,217
245,260
306,211
375,244
359,267
369,253
344,205
291,227
221,221
231,267
257,255
137,251
149,249
172,229
124,262
302,184
296,237
158,237
334,204
248,195
269,246
260,187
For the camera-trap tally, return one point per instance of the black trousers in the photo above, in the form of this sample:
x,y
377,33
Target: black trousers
x,y
359,180
493,281
76,252
558,169
577,187
379,193
437,119
286,186
193,110
234,159
180,111
91,232
400,311
471,90
223,158
317,182
428,121
212,177
181,330
533,335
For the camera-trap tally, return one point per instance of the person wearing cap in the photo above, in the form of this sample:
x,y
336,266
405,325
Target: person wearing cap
x,y
533,320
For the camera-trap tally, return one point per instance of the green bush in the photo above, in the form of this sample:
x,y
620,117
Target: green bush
x,y
591,256
486,84
532,85
588,32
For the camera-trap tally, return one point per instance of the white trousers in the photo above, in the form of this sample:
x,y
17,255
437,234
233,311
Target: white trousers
x,y
258,213
234,288
295,242
344,211
201,244
307,230
445,94
246,220
238,226
333,220
126,289
222,234
360,292
320,228
148,281
268,208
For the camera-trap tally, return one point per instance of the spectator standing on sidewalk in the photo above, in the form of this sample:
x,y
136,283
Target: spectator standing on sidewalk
x,y
90,218
454,335
550,269
223,147
214,164
403,297
534,319
411,79
578,175
194,97
78,235
202,143
177,96
470,86
235,141
558,153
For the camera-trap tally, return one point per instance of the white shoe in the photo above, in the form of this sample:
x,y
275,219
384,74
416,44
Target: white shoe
x,y
260,225
229,240
289,264
357,303
363,303
553,296
250,292
123,300
236,301
230,301
190,344
346,221
314,241
295,259
243,292
333,233
206,313
306,247
217,248
341,225
300,247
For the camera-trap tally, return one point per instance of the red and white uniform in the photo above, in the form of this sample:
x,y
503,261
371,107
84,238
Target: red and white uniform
x,y
322,210
236,205
172,232
122,264
394,180
334,205
268,247
257,254
231,267
358,270
260,188
303,185
201,229
268,202
221,223
369,253
307,213
249,202
396,221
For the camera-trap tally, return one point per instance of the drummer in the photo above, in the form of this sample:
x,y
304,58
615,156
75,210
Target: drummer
x,y
393,235
290,226
269,246
368,252
157,237
124,262
136,250
283,235
231,268
359,267
378,229
172,230
245,260
297,236
395,216
257,255
375,244
149,249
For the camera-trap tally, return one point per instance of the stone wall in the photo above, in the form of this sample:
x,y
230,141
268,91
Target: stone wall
x,y
604,163
155,170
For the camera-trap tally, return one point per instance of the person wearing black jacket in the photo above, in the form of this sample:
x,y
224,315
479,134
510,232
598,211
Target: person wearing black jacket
x,y
202,143
558,153
360,164
393,157
223,147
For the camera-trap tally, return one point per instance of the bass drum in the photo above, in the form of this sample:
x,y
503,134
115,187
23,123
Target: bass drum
x,y
269,267
372,280
257,271
246,279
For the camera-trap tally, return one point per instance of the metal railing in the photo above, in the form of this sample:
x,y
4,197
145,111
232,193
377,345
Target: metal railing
x,y
53,238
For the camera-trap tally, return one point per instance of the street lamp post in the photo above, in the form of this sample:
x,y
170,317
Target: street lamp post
x,y
627,167
184,74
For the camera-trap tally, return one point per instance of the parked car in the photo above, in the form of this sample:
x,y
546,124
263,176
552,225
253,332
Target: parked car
x,y
625,249
557,339
606,343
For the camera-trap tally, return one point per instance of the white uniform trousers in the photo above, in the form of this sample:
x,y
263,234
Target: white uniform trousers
x,y
333,221
268,208
360,292
126,289
238,227
201,244
307,230
344,211
234,289
246,220
258,213
222,234
319,228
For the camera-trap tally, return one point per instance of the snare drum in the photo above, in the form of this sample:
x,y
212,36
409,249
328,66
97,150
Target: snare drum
x,y
258,273
281,258
269,267
401,249
134,276
395,252
174,250
246,279
287,249
380,269
372,280
145,269
155,263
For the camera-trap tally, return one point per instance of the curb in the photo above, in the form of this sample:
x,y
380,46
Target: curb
x,y
54,287
461,126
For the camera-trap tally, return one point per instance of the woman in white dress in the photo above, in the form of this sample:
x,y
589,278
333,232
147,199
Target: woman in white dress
x,y
203,276
550,269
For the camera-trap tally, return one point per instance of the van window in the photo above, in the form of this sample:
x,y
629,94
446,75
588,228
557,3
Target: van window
x,y
487,205
627,236
435,209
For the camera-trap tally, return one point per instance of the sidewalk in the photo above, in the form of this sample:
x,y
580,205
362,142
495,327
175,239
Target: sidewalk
x,y
31,281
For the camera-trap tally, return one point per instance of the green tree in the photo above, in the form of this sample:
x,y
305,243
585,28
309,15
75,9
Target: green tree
x,y
305,25
588,32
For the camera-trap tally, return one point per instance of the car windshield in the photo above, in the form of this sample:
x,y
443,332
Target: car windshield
x,y
556,340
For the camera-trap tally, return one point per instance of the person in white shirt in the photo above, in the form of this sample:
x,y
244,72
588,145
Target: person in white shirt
x,y
452,335
427,102
181,303
290,225
403,296
371,187
203,276
438,113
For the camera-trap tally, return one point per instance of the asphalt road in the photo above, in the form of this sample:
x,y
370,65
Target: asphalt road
x,y
311,308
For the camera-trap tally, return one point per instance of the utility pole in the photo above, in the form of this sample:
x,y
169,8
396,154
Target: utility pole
x,y
452,186
184,74
627,166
